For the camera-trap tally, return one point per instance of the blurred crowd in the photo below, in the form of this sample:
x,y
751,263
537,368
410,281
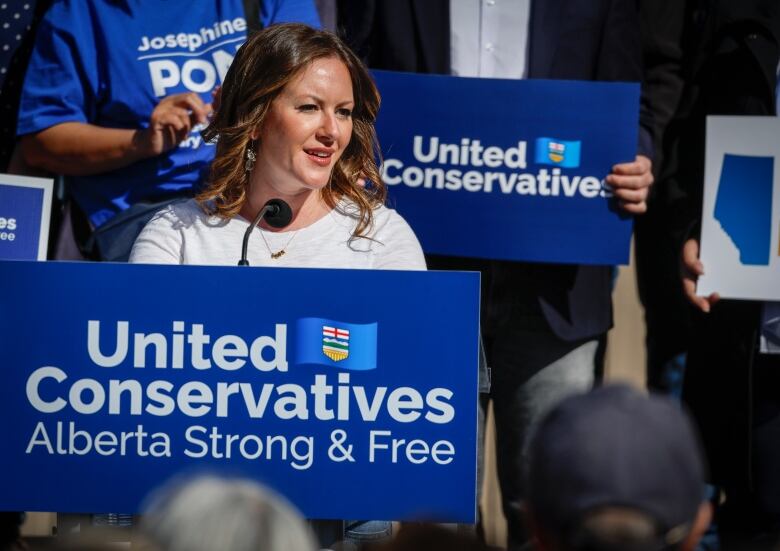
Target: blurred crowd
x,y
611,469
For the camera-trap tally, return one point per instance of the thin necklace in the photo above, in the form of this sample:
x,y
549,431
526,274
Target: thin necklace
x,y
280,253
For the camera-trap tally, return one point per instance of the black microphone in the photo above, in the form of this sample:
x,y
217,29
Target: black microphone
x,y
276,213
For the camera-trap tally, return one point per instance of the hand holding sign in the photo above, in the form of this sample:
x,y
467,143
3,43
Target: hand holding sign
x,y
528,168
692,269
631,184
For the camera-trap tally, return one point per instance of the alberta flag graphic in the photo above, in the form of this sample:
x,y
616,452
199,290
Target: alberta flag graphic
x,y
329,342
551,151
335,343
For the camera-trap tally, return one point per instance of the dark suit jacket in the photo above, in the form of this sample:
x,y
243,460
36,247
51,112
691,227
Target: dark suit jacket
x,y
569,39
732,52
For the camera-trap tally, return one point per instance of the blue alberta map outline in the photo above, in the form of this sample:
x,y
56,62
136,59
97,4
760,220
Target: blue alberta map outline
x,y
743,205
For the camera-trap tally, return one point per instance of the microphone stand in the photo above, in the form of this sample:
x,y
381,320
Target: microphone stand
x,y
279,215
267,208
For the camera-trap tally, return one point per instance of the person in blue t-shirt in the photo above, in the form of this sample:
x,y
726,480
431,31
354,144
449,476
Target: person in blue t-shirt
x,y
117,91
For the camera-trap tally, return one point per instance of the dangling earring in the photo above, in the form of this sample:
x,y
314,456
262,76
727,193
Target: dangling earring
x,y
251,157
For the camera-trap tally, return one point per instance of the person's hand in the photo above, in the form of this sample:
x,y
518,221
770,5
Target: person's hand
x,y
171,122
692,268
630,183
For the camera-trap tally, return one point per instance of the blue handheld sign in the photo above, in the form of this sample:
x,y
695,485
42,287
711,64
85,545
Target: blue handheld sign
x,y
116,377
25,205
509,169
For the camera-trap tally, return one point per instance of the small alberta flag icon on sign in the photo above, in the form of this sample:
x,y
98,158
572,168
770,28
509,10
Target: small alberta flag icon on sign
x,y
551,151
335,342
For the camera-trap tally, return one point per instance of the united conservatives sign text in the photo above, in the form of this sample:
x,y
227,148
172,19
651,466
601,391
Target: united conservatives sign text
x,y
116,377
509,169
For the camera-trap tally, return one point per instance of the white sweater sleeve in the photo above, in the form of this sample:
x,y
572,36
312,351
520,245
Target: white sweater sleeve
x,y
160,242
397,247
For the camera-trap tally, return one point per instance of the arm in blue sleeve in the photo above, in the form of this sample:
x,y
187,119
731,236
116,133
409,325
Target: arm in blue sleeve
x,y
61,82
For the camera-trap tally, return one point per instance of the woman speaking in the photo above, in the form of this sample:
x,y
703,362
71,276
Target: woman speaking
x,y
295,122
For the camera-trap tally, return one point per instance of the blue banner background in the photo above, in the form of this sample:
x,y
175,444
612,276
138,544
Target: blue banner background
x,y
425,340
501,112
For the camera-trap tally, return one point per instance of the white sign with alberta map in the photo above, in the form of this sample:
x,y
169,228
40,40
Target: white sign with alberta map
x,y
740,234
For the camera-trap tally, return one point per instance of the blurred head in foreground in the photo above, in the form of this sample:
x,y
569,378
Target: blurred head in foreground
x,y
615,470
429,537
210,513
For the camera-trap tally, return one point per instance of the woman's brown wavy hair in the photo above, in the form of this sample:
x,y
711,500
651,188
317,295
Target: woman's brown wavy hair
x,y
262,67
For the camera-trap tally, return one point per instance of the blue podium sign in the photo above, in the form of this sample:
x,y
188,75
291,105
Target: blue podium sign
x,y
509,169
25,206
351,392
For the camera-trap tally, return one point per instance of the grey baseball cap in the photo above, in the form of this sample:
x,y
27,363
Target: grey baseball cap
x,y
616,447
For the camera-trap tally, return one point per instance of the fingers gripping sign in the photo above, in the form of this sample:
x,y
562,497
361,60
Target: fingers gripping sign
x,y
631,183
692,268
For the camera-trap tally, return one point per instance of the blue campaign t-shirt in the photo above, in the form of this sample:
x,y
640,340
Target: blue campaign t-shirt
x,y
110,62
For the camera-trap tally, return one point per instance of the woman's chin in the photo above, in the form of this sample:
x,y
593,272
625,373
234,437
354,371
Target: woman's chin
x,y
295,186
314,184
